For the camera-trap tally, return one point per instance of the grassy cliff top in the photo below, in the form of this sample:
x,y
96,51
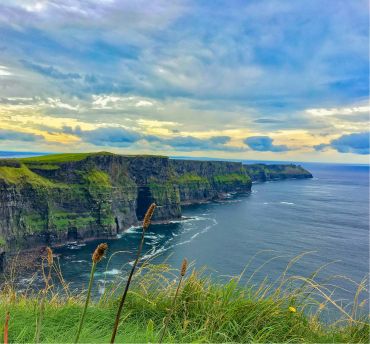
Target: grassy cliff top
x,y
205,312
72,157
41,170
62,158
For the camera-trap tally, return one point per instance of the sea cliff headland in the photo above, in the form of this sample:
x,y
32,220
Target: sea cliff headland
x,y
58,198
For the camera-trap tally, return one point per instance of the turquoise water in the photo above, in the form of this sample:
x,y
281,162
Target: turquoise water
x,y
327,217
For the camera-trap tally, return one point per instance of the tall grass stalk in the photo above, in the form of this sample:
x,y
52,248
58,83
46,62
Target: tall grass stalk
x,y
44,293
182,274
96,258
146,223
6,328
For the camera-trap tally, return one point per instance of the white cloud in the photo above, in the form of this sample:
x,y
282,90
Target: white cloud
x,y
106,101
322,112
4,71
143,103
57,103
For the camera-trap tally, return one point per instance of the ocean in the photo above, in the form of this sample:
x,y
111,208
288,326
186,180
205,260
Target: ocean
x,y
324,219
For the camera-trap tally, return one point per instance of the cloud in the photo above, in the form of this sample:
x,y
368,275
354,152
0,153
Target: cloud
x,y
4,71
267,120
110,63
344,111
220,139
104,101
122,137
321,147
264,144
50,71
163,50
19,136
110,136
190,143
357,143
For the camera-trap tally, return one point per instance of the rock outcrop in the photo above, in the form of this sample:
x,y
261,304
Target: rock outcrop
x,y
64,197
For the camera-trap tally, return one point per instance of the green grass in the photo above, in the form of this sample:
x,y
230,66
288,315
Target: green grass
x,y
73,157
97,178
191,178
62,220
56,158
232,178
34,222
22,174
205,311
61,158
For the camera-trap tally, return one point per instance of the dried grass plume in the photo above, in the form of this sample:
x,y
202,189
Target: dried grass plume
x,y
148,216
184,267
49,252
99,252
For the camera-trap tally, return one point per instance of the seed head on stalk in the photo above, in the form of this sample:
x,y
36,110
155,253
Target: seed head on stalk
x,y
99,253
97,256
148,216
146,223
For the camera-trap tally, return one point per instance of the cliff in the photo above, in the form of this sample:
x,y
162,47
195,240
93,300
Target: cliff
x,y
62,197
263,172
207,180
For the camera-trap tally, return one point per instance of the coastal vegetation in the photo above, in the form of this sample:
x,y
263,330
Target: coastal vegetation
x,y
205,311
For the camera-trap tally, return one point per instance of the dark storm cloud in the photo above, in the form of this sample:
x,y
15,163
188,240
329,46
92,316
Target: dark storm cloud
x,y
357,143
264,144
18,136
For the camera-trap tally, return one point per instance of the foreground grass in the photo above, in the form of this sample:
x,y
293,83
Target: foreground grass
x,y
205,312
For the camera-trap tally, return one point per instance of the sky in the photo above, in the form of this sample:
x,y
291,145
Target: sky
x,y
263,80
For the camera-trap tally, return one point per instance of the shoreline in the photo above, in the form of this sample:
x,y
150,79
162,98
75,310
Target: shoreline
x,y
31,255
25,259
41,247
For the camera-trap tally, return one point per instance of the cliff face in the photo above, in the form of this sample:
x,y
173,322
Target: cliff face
x,y
207,180
58,198
263,172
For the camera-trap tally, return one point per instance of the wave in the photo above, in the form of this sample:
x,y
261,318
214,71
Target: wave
x,y
165,247
112,272
74,246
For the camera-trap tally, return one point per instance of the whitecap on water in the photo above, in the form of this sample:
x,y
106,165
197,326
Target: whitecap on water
x,y
112,272
73,246
289,203
150,236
